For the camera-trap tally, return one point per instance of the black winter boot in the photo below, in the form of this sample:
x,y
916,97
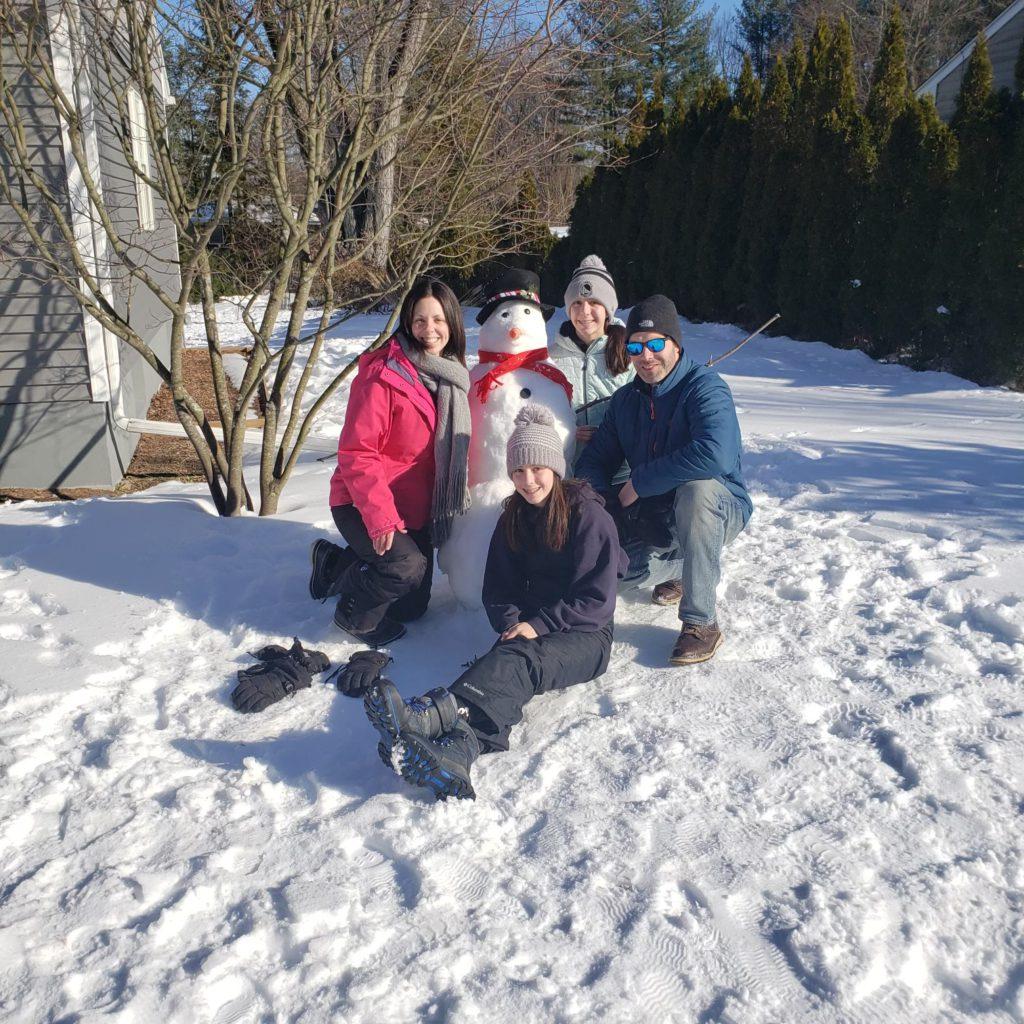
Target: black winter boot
x,y
441,765
389,713
329,562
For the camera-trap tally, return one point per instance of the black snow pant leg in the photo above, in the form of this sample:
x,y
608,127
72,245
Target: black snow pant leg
x,y
497,686
396,583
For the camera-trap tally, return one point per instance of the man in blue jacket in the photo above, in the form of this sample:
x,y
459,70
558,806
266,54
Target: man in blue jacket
x,y
676,426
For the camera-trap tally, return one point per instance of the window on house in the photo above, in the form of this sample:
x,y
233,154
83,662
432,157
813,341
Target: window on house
x,y
140,151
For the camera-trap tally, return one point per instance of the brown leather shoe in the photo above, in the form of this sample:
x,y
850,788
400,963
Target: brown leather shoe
x,y
696,644
669,593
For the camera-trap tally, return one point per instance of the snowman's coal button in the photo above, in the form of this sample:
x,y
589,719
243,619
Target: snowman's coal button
x,y
525,393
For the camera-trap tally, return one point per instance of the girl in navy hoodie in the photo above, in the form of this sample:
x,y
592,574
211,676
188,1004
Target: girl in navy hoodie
x,y
549,592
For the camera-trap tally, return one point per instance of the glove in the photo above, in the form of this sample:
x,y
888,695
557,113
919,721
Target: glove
x,y
361,673
267,683
313,661
280,673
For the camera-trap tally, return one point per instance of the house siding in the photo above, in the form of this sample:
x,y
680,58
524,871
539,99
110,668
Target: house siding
x,y
1004,47
52,434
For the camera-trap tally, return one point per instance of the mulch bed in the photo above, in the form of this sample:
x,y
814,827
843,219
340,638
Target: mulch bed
x,y
156,459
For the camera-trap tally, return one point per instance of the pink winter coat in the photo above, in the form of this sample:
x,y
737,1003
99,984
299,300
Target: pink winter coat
x,y
386,448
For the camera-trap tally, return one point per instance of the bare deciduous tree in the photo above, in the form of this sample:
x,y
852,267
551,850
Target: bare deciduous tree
x,y
412,120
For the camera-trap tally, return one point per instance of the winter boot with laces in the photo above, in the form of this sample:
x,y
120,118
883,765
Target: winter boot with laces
x,y
329,563
429,716
696,644
668,593
442,765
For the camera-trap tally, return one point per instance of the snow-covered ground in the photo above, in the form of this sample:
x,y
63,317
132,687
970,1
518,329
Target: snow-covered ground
x,y
823,824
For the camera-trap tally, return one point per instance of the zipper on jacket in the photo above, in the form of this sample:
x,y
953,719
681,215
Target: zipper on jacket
x,y
586,395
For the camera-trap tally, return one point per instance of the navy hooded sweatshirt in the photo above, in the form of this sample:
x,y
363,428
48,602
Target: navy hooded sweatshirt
x,y
557,591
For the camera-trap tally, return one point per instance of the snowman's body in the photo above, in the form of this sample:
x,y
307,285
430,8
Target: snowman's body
x,y
513,328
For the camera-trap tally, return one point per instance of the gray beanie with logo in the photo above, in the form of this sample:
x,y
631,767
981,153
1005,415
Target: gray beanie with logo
x,y
591,281
534,441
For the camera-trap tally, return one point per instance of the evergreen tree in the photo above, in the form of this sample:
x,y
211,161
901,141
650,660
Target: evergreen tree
x,y
767,206
764,26
640,43
796,64
900,257
805,182
711,113
717,240
890,85
975,102
976,192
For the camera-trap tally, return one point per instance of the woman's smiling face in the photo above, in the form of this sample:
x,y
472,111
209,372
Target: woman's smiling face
x,y
534,483
429,326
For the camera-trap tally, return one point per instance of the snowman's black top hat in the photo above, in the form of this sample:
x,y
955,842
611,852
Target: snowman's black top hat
x,y
514,285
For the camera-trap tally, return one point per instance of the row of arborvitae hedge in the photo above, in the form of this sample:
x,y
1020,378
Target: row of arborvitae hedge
x,y
878,227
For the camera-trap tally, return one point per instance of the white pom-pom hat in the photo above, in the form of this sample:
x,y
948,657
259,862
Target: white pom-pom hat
x,y
535,442
591,281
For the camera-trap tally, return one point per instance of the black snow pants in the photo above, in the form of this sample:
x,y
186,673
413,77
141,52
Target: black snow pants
x,y
396,583
497,686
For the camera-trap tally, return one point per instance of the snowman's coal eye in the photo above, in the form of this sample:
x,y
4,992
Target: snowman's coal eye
x,y
527,311
505,315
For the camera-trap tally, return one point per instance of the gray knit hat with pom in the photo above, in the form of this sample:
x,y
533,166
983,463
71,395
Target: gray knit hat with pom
x,y
591,280
535,442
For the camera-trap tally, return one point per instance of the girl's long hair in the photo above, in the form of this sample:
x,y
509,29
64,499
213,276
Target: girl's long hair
x,y
553,528
615,356
432,288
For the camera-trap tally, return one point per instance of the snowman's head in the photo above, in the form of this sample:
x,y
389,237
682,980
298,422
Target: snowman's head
x,y
514,327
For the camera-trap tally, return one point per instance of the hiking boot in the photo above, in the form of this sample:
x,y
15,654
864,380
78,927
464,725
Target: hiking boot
x,y
441,765
389,713
387,631
696,644
670,593
329,564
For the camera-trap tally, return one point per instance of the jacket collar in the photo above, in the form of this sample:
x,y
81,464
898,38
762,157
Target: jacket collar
x,y
563,345
399,373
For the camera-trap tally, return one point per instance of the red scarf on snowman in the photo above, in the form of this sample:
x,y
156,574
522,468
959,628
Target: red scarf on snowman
x,y
531,360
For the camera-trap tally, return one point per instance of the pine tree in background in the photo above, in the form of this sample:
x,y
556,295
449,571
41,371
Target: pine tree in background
x,y
1000,279
846,159
889,97
767,201
712,110
890,84
764,26
796,64
976,192
640,207
899,251
717,240
884,227
805,181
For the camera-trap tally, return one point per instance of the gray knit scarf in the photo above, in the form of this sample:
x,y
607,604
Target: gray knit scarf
x,y
448,381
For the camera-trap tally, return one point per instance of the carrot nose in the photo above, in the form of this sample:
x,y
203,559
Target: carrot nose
x,y
514,333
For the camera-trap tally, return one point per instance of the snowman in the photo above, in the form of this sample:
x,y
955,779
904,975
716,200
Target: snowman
x,y
513,371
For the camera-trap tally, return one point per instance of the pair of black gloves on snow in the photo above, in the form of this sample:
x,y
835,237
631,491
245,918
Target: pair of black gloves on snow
x,y
283,670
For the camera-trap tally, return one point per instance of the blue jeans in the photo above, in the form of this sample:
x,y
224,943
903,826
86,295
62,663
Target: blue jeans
x,y
704,517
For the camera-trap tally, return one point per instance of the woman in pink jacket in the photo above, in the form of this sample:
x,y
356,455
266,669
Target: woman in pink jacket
x,y
401,475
